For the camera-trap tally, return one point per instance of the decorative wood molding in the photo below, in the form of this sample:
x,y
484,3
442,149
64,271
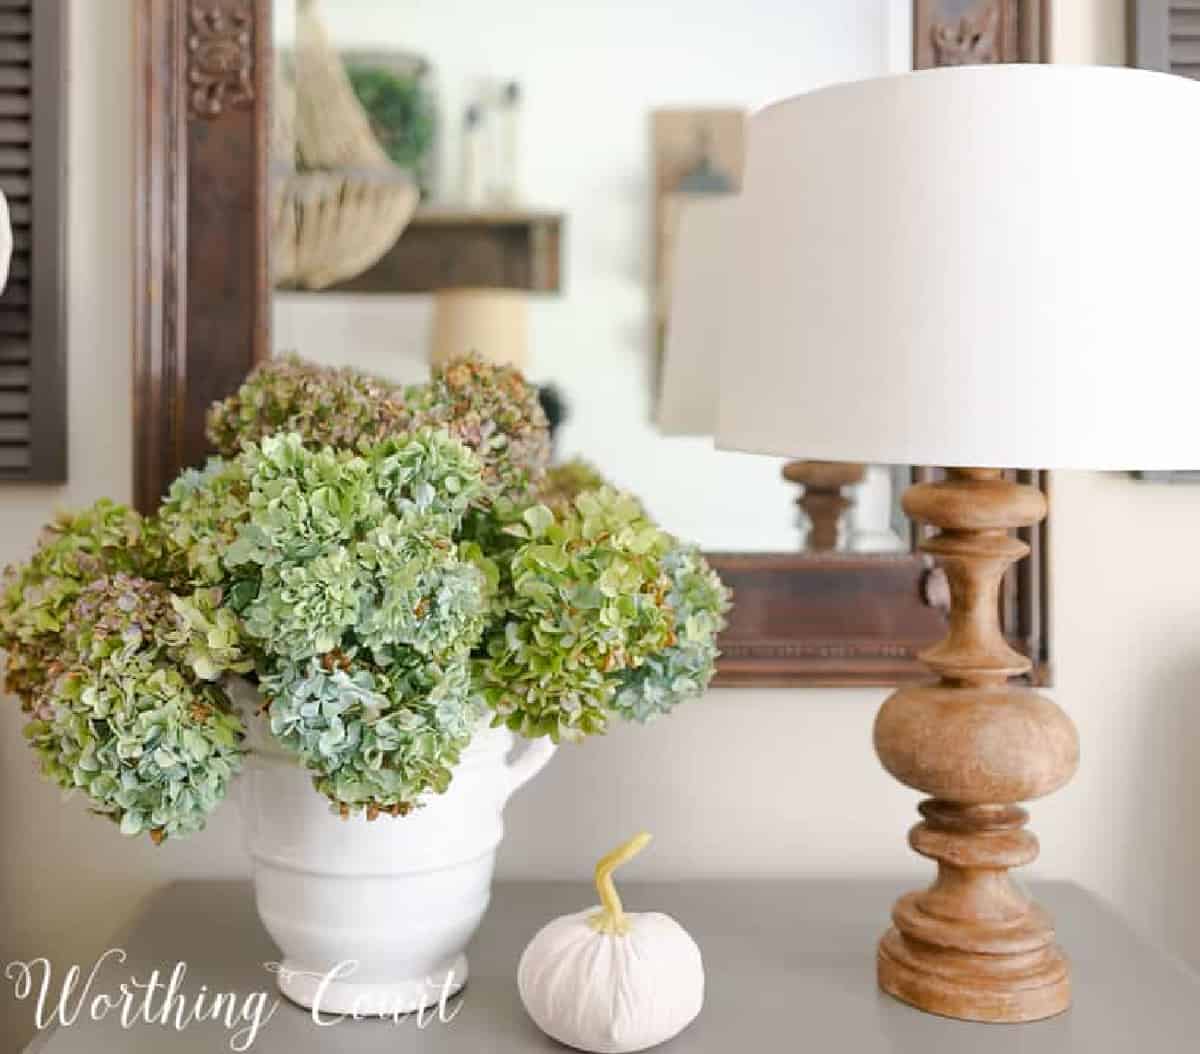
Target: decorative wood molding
x,y
986,31
220,58
201,292
975,38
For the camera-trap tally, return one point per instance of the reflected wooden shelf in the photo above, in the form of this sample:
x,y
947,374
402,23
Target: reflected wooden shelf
x,y
449,248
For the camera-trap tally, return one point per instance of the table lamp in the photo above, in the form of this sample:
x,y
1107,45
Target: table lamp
x,y
985,267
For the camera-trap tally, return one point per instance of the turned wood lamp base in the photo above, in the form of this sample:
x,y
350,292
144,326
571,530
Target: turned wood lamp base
x,y
822,500
972,946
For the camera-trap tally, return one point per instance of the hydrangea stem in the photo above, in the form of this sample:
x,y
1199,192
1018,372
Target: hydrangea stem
x,y
611,917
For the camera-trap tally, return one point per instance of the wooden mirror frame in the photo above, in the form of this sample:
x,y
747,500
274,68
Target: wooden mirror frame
x,y
202,296
202,321
861,619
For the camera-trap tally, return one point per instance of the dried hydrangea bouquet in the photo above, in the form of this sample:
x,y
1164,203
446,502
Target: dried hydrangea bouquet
x,y
367,592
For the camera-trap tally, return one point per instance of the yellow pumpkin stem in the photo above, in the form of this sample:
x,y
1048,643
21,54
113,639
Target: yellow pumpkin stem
x,y
611,918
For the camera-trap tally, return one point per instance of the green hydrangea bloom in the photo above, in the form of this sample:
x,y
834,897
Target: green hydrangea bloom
x,y
210,638
418,594
428,475
562,484
497,414
348,579
489,408
328,407
683,670
373,739
358,550
588,600
151,747
389,562
36,597
200,519
304,607
302,501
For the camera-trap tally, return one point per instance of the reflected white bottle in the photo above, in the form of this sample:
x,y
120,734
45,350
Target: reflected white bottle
x,y
474,157
506,144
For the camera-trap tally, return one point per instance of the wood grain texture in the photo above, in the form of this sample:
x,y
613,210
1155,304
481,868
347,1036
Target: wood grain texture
x,y
971,32
823,499
458,248
972,946
202,304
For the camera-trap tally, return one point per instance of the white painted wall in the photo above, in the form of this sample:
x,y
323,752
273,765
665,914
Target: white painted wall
x,y
745,782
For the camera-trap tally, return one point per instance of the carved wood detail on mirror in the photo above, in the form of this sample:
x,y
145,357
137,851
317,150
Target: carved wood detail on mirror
x,y
202,322
201,306
970,32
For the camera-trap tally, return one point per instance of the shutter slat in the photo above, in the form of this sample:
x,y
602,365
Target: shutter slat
x,y
13,350
14,323
15,104
15,459
14,430
14,404
15,24
14,159
1183,24
17,187
15,77
32,85
13,131
14,378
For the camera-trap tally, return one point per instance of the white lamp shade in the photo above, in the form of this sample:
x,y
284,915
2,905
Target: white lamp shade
x,y
986,266
687,403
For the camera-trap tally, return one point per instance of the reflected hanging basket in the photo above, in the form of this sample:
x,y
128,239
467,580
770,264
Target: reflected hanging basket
x,y
338,203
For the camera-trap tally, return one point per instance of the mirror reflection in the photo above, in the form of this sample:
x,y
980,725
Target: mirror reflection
x,y
460,176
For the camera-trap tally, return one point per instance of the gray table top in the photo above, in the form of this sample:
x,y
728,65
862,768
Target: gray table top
x,y
790,965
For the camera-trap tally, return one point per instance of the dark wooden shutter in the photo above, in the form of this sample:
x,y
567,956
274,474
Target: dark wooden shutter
x,y
1165,35
32,176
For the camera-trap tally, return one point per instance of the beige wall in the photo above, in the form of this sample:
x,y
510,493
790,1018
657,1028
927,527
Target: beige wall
x,y
755,782
52,900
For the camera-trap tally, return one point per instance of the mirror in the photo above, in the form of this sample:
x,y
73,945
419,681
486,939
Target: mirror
x,y
509,177
583,118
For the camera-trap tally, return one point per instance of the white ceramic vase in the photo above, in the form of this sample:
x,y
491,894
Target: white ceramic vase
x,y
373,918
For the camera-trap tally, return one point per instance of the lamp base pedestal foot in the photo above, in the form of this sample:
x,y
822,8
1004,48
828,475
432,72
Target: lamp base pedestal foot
x,y
1012,988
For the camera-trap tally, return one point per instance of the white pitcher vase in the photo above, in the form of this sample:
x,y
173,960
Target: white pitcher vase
x,y
374,917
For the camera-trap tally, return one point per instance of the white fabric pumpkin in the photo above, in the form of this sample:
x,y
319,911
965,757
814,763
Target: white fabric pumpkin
x,y
605,981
